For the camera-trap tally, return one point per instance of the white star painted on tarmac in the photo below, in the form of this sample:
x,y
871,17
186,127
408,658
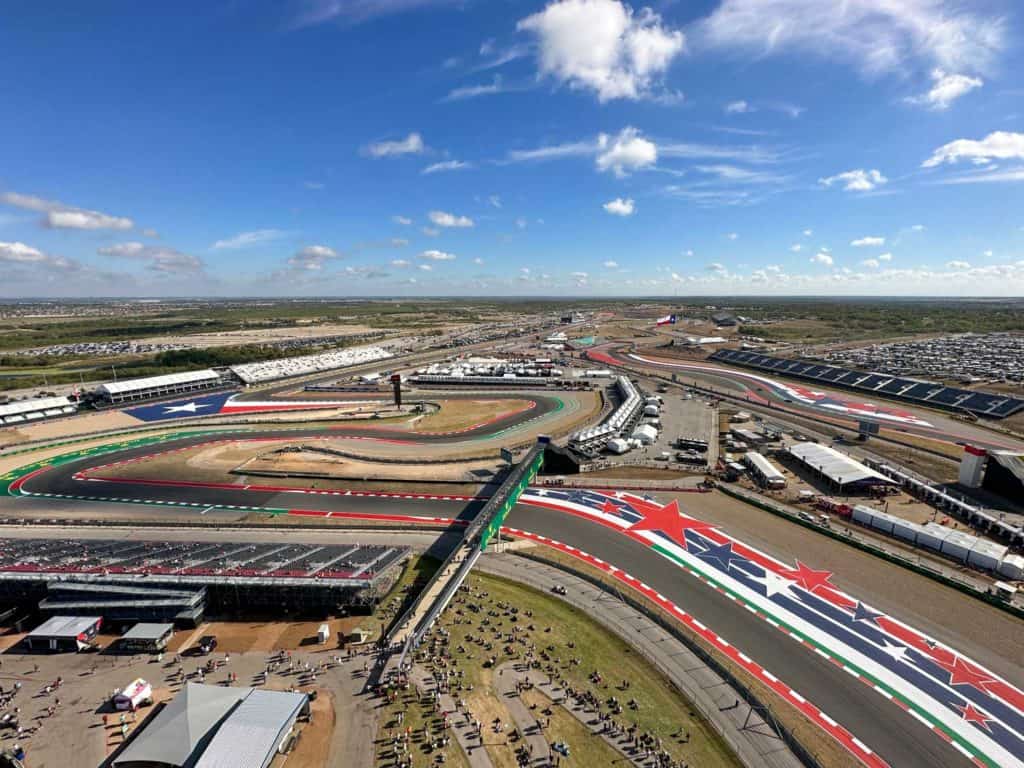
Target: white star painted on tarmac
x,y
898,652
773,583
541,492
186,408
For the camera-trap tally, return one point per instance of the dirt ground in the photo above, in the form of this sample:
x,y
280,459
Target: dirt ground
x,y
313,463
266,636
314,741
629,472
463,414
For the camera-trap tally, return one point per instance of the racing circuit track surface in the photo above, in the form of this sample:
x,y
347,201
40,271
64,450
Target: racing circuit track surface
x,y
893,732
804,399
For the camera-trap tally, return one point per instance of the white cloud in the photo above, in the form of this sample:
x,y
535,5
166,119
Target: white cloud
x,y
987,254
15,255
857,180
716,266
248,239
310,260
808,232
796,248
446,165
875,35
989,175
430,231
403,220
603,46
733,236
314,185
521,223
885,257
958,265
425,267
868,242
609,264
478,261
554,151
161,259
410,145
495,201
626,153
435,255
401,263
57,215
475,91
739,107
917,227
946,88
579,275
822,258
620,207
999,145
443,219
871,263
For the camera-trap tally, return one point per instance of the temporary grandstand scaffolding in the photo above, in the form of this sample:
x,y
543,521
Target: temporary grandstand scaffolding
x,y
237,578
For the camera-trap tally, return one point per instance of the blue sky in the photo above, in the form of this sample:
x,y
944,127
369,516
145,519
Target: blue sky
x,y
485,147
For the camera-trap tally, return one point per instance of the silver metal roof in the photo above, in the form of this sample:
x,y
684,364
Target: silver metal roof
x,y
64,626
251,734
836,466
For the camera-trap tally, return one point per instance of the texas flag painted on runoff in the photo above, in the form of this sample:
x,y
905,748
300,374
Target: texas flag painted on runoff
x,y
666,320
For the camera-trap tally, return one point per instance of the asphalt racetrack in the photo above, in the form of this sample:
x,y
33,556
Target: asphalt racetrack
x,y
898,737
891,732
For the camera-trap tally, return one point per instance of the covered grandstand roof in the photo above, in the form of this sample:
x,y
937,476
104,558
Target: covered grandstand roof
x,y
298,366
836,466
158,382
182,727
250,736
38,405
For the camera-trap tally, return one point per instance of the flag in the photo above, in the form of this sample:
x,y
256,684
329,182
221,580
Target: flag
x,y
666,320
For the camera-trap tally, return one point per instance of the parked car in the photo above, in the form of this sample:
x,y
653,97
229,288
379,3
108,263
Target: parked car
x,y
206,644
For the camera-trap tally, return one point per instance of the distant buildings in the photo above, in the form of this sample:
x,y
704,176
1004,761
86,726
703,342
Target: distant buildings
x,y
724,319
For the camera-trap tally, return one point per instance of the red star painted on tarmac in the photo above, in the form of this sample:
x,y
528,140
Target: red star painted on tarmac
x,y
962,672
808,578
610,508
670,521
972,715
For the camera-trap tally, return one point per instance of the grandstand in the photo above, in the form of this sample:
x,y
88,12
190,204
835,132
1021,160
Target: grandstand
x,y
237,577
620,420
932,394
22,411
271,370
149,387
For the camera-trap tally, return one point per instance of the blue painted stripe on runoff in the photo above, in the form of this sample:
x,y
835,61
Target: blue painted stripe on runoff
x,y
204,405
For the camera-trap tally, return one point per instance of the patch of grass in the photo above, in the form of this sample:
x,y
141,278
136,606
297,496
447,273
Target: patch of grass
x,y
662,710
418,713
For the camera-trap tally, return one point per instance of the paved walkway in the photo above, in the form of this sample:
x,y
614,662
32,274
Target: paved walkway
x,y
461,726
753,740
532,735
